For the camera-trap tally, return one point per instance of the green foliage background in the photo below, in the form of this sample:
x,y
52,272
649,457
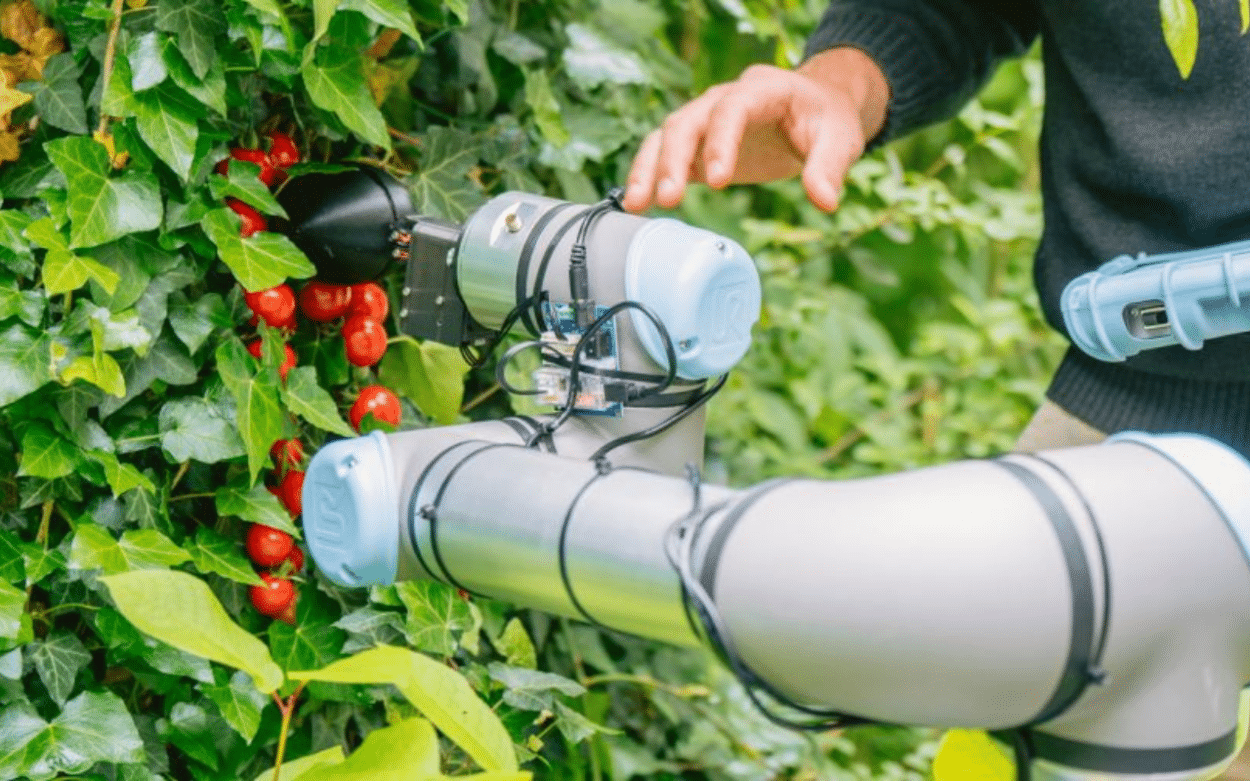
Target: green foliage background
x,y
900,331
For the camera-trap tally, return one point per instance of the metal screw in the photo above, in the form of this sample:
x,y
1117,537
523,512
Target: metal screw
x,y
439,301
403,313
407,290
685,344
512,222
720,245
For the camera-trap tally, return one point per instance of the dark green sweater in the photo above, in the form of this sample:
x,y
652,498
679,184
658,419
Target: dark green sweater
x,y
1134,159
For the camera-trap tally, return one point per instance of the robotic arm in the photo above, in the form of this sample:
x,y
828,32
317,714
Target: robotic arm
x,y
1092,604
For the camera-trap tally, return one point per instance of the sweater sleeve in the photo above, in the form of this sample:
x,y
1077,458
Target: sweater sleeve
x,y
935,54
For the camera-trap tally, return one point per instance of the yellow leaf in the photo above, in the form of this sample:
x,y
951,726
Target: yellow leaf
x,y
1180,32
11,98
105,138
45,42
1245,16
10,149
970,755
19,21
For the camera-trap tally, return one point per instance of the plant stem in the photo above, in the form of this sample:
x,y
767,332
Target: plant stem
x,y
287,708
106,71
481,397
41,536
182,471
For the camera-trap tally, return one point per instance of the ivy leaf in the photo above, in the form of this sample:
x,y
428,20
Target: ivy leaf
x,y
58,98
336,82
304,396
575,727
180,609
591,60
197,24
313,641
167,122
240,703
436,616
388,13
147,63
1245,16
63,270
121,477
515,644
46,454
14,620
212,552
194,322
58,660
1180,32
93,727
405,750
103,208
430,374
970,755
441,694
261,419
442,187
25,361
542,101
255,505
209,90
100,369
138,549
532,689
259,262
243,183
191,428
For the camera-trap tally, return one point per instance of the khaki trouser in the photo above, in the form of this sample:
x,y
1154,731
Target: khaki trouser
x,y
1053,427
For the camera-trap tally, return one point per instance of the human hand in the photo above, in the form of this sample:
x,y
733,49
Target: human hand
x,y
768,124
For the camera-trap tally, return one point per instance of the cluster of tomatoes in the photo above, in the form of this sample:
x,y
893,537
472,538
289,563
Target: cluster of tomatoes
x,y
362,309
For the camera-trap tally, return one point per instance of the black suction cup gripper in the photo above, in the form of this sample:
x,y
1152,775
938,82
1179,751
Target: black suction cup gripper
x,y
343,221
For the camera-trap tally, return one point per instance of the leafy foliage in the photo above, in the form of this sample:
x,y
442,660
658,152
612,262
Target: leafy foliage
x,y
134,426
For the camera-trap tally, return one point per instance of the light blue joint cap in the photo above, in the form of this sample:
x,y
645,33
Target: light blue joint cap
x,y
702,286
351,511
1221,472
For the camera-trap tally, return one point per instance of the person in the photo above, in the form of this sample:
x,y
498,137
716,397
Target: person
x,y
1137,156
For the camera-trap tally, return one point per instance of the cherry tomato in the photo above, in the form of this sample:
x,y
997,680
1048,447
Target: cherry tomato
x,y
296,557
282,150
376,400
293,491
288,615
273,597
287,453
369,300
268,174
323,302
253,222
276,306
365,339
288,362
268,546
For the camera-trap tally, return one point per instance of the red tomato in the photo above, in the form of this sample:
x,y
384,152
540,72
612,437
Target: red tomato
x,y
369,300
323,302
287,453
288,362
282,150
253,222
365,339
276,306
376,400
296,557
288,615
268,174
273,597
268,546
293,492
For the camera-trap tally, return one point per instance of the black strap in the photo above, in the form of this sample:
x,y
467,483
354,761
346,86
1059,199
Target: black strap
x,y
711,558
602,469
414,512
523,262
546,261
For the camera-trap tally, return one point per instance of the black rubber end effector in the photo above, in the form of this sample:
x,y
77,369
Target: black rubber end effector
x,y
343,221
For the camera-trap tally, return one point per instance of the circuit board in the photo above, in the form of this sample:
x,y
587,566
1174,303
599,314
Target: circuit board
x,y
552,380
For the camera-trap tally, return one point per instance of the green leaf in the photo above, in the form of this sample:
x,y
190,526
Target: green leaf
x,y
515,645
147,63
323,11
255,505
388,13
261,419
180,609
407,750
212,552
63,270
304,396
99,369
436,616
270,7
138,549
430,374
121,477
168,123
591,60
191,428
240,703
210,91
58,660
93,727
58,98
244,184
194,322
335,82
259,262
197,24
575,727
441,186
14,621
313,641
46,454
103,208
1180,32
542,101
297,768
441,694
25,361
970,755
532,689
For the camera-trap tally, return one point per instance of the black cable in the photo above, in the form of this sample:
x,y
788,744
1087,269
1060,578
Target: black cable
x,y
1023,752
664,425
679,544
